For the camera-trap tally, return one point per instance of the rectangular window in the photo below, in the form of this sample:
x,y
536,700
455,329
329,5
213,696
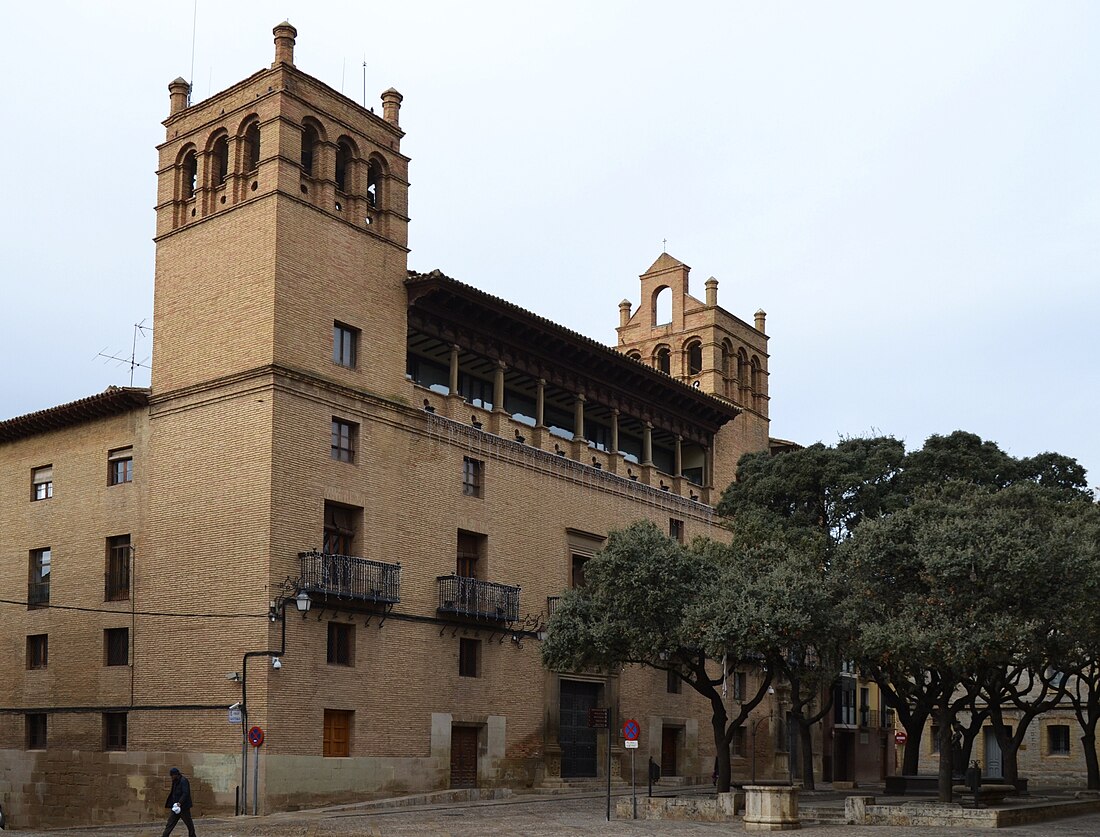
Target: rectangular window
x,y
739,686
337,740
344,440
37,651
471,546
469,657
42,483
676,529
120,466
934,745
38,581
577,571
345,345
471,476
116,646
737,746
1058,740
35,723
673,683
116,575
341,644
340,529
114,730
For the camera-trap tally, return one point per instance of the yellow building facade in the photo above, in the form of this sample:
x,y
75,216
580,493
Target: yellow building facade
x,y
428,464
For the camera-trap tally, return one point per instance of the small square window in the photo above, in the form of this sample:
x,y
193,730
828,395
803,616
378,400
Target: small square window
x,y
116,646
114,730
471,476
341,644
344,439
35,725
42,483
337,733
37,651
469,657
1058,740
120,466
345,345
676,529
673,683
116,574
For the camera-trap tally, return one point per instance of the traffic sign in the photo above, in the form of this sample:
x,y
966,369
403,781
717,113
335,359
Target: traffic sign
x,y
901,736
631,744
255,736
631,730
235,716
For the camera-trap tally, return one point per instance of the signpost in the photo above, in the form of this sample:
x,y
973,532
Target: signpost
x,y
631,730
255,738
900,737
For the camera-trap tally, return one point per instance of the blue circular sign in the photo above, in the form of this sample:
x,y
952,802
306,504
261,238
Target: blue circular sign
x,y
631,730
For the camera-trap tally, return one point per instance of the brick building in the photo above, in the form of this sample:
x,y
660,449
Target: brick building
x,y
428,464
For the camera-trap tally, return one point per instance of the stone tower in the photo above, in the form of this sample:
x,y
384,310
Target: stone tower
x,y
701,344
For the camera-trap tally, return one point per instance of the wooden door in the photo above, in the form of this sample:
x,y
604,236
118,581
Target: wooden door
x,y
464,757
669,738
577,739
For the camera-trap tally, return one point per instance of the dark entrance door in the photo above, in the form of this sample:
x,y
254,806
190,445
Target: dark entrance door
x,y
463,757
578,742
669,736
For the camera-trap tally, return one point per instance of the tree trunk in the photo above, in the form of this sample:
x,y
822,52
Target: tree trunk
x,y
806,745
914,731
722,751
1092,764
945,775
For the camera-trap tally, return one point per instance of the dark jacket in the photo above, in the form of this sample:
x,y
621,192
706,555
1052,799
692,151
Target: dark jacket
x,y
181,793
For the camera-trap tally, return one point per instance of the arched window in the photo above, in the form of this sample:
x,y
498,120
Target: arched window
x,y
252,146
662,306
694,357
634,355
189,173
345,154
743,371
663,359
310,140
374,183
220,159
757,376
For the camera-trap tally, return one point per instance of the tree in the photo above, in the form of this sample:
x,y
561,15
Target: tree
x,y
698,612
964,581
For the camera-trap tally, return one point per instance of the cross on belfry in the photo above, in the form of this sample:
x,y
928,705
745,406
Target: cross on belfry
x,y
664,245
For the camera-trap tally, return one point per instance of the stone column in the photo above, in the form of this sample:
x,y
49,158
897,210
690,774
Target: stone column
x,y
647,445
578,417
498,387
452,383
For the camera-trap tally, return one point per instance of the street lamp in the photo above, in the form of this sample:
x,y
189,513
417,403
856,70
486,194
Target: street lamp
x,y
752,729
276,613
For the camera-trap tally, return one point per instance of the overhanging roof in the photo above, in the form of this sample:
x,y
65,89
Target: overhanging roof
x,y
496,321
110,402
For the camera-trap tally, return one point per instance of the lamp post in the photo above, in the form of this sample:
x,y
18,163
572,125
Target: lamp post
x,y
276,613
752,729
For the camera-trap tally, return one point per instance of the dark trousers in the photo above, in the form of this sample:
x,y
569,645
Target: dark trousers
x,y
175,818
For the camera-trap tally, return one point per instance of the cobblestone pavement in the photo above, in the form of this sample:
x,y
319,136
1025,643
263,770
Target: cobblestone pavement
x,y
523,816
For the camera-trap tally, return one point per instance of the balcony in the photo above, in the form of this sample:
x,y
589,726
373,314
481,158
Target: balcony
x,y
478,599
349,578
552,603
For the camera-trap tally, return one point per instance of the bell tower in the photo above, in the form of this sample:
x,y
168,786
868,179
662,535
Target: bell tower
x,y
700,344
282,208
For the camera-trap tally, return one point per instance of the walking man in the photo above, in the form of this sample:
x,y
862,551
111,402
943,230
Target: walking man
x,y
178,804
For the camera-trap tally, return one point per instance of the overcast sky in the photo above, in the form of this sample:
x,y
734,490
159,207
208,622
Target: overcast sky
x,y
910,190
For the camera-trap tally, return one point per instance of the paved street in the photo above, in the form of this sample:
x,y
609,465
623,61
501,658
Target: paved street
x,y
524,816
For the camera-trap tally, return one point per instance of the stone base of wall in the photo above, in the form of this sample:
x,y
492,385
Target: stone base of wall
x,y
863,811
722,807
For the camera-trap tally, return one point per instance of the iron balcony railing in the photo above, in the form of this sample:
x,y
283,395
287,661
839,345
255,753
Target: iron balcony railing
x,y
116,582
479,599
38,593
552,605
347,577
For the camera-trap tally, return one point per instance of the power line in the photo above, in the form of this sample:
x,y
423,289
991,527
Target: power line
x,y
137,612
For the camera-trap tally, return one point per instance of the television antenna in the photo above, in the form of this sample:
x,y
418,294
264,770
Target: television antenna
x,y
131,361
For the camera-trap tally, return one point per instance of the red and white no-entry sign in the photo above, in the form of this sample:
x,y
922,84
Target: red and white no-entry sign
x,y
901,736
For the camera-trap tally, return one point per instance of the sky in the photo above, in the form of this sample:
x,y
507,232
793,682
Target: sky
x,y
910,190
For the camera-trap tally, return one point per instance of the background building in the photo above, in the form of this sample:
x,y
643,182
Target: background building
x,y
430,464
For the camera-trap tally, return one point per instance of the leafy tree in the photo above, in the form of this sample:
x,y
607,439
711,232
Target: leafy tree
x,y
649,601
